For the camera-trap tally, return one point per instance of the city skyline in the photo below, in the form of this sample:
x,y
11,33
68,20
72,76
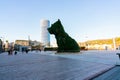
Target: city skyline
x,y
82,19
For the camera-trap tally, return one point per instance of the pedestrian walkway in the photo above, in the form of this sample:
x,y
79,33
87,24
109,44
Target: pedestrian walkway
x,y
40,66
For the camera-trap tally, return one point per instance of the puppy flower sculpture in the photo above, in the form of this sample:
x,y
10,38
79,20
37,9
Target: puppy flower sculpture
x,y
64,41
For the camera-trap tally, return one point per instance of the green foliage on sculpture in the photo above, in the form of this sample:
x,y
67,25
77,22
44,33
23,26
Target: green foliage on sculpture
x,y
64,41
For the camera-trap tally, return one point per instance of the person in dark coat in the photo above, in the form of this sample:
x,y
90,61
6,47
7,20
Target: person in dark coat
x,y
15,53
26,50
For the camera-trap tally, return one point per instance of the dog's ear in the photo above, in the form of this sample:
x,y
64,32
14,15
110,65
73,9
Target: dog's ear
x,y
59,20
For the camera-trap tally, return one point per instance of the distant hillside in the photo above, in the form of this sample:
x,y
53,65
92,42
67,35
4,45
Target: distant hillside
x,y
104,41
101,42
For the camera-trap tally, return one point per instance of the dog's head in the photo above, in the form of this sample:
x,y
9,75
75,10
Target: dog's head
x,y
56,28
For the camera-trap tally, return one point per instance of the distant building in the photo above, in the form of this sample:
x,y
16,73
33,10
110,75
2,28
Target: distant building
x,y
22,42
45,36
35,43
7,45
54,44
22,45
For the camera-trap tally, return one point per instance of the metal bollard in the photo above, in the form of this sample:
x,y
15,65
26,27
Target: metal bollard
x,y
118,55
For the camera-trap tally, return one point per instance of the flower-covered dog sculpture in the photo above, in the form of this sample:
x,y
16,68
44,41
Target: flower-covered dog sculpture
x,y
64,41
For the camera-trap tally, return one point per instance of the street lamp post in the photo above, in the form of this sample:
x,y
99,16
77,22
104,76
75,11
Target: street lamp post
x,y
114,43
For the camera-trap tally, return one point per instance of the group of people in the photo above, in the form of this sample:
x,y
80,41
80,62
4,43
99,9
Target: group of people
x,y
25,51
15,52
10,52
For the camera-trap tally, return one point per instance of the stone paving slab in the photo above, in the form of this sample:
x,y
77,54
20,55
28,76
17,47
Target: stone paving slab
x,y
113,74
46,67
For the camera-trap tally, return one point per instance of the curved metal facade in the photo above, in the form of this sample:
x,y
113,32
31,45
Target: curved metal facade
x,y
45,36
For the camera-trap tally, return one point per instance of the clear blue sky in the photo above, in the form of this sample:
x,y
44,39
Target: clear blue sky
x,y
82,19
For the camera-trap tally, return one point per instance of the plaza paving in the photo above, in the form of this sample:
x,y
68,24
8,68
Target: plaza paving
x,y
50,66
113,74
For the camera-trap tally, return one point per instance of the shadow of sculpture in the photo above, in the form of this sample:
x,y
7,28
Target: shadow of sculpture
x,y
64,41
